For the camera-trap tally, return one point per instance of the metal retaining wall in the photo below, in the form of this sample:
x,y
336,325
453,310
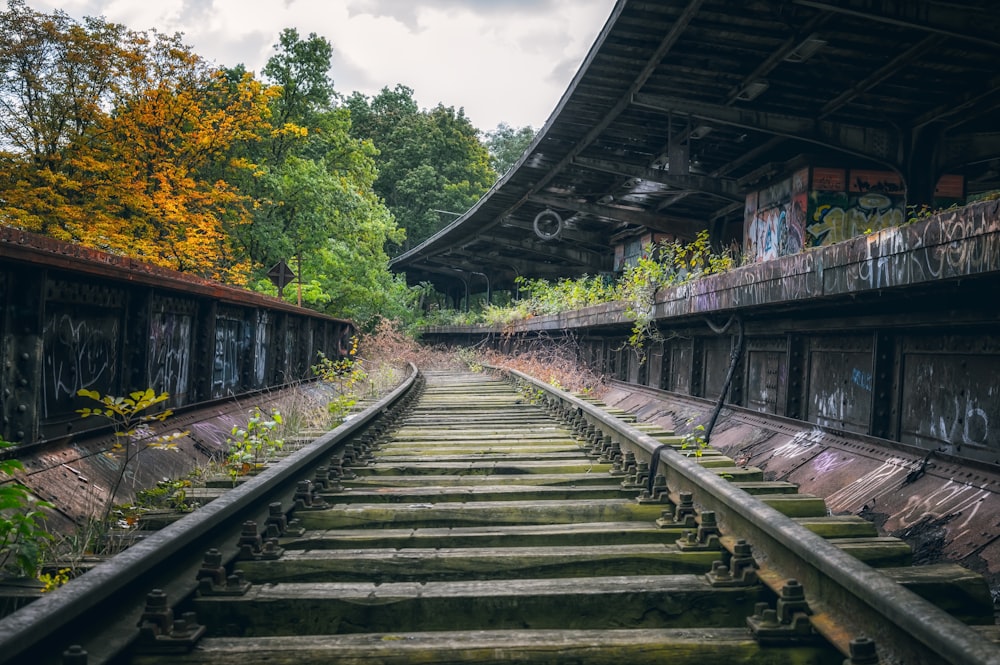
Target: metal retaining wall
x,y
75,318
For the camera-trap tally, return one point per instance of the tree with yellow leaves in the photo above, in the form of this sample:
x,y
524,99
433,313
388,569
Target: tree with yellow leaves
x,y
123,140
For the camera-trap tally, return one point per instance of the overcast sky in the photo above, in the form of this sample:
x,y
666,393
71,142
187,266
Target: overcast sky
x,y
502,60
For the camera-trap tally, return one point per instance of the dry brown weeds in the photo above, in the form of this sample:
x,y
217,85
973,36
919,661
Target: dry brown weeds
x,y
554,363
550,360
387,344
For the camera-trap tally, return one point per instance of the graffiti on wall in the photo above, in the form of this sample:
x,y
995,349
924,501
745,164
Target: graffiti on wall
x,y
774,218
840,389
766,381
821,206
169,360
80,351
948,399
845,204
885,477
229,347
260,344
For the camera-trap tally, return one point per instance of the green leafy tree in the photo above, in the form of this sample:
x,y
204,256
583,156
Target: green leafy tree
x,y
315,189
506,145
430,163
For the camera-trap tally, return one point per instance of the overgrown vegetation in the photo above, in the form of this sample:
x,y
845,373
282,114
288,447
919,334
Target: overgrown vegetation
x,y
555,361
663,264
23,536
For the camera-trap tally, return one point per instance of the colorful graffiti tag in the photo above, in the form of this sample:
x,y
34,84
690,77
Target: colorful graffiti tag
x,y
774,218
821,206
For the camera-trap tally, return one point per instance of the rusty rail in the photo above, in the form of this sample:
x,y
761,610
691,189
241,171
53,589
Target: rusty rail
x,y
847,598
168,559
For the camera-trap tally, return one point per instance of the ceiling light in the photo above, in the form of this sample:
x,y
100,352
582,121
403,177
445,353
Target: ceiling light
x,y
752,90
806,49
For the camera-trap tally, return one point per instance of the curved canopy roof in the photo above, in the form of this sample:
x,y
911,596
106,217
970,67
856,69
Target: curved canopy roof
x,y
683,106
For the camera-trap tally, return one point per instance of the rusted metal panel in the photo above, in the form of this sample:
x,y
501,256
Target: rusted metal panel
x,y
263,356
885,386
795,405
23,356
82,336
135,325
765,370
600,355
666,372
786,448
698,366
640,370
620,360
290,367
681,358
950,396
654,365
232,346
171,347
840,383
717,352
766,377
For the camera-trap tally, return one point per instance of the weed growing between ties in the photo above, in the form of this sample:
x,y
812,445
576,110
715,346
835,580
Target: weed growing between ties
x,y
254,444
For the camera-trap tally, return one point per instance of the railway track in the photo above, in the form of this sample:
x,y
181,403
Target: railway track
x,y
488,521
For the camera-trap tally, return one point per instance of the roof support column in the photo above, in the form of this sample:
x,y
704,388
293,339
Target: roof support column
x,y
920,170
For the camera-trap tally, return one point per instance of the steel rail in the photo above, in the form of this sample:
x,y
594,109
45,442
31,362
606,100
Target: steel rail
x,y
847,598
49,616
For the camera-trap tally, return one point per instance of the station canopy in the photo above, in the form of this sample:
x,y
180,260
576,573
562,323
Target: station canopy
x,y
682,107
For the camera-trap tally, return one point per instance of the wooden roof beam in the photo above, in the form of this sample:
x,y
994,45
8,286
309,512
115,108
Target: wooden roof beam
x,y
681,226
549,249
722,187
869,142
969,24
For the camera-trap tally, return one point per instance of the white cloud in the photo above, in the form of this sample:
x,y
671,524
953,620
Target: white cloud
x,y
502,60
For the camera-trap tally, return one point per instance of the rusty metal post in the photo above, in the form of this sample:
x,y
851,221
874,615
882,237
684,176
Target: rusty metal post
x,y
884,414
22,366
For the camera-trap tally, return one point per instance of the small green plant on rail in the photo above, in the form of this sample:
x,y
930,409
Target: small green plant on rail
x,y
254,444
694,441
529,393
132,418
23,536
